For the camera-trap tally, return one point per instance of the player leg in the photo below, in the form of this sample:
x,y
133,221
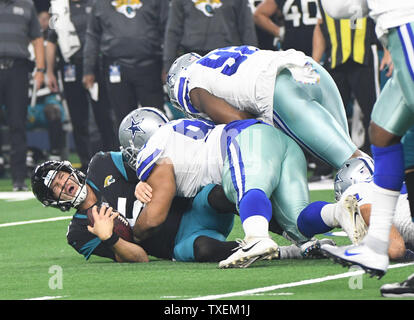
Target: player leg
x,y
202,233
299,112
403,218
291,197
250,174
391,118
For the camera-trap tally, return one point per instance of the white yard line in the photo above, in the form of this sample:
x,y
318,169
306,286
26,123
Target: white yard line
x,y
16,196
47,298
292,284
18,223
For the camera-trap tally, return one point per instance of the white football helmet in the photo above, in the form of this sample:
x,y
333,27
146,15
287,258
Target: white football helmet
x,y
180,64
135,130
355,170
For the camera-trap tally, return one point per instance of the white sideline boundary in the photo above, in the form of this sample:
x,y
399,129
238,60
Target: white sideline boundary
x,y
18,223
292,284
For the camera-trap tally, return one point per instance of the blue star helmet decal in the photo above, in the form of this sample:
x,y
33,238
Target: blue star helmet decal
x,y
134,127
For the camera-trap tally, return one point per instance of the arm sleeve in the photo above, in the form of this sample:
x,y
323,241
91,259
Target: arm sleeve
x,y
92,40
173,33
52,36
34,25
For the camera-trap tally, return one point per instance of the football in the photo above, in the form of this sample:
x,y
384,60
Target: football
x,y
121,225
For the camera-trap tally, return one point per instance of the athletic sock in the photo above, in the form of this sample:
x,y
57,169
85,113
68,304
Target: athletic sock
x,y
310,221
388,179
255,213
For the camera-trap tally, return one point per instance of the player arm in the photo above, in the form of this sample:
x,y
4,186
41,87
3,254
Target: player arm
x,y
216,108
318,42
162,181
124,251
262,17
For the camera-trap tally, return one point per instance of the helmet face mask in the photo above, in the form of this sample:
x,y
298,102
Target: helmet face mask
x,y
69,193
130,155
179,65
135,130
355,170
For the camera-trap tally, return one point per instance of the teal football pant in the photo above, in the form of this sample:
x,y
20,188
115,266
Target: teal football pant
x,y
314,116
394,109
200,220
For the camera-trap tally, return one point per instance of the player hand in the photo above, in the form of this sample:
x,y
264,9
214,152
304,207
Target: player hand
x,y
143,192
88,80
103,222
387,64
39,78
52,82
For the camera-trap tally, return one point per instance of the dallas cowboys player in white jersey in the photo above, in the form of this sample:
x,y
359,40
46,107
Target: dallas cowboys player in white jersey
x,y
392,116
262,180
284,88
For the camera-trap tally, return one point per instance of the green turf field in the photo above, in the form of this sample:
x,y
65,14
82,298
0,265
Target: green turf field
x,y
36,262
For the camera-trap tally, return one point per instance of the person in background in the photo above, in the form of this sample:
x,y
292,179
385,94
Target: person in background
x,y
351,58
71,69
129,35
299,22
202,26
19,27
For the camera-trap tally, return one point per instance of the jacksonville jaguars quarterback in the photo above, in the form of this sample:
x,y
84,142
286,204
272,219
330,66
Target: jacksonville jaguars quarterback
x,y
109,180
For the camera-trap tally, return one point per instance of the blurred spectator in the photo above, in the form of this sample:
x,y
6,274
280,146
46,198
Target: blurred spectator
x,y
204,25
129,35
68,32
45,109
352,60
300,18
266,40
19,26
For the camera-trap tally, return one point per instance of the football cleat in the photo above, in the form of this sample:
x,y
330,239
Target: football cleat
x,y
312,248
349,217
398,290
249,251
371,262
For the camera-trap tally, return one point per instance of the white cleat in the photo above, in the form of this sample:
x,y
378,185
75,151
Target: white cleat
x,y
373,263
350,219
249,251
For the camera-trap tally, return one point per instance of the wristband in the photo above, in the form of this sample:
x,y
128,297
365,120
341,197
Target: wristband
x,y
111,240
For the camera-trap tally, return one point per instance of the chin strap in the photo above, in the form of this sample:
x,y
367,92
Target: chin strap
x,y
80,196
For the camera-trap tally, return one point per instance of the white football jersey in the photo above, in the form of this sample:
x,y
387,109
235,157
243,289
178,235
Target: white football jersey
x,y
390,13
192,146
243,76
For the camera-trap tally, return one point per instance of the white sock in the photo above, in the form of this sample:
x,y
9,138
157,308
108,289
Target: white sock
x,y
383,206
256,226
328,215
